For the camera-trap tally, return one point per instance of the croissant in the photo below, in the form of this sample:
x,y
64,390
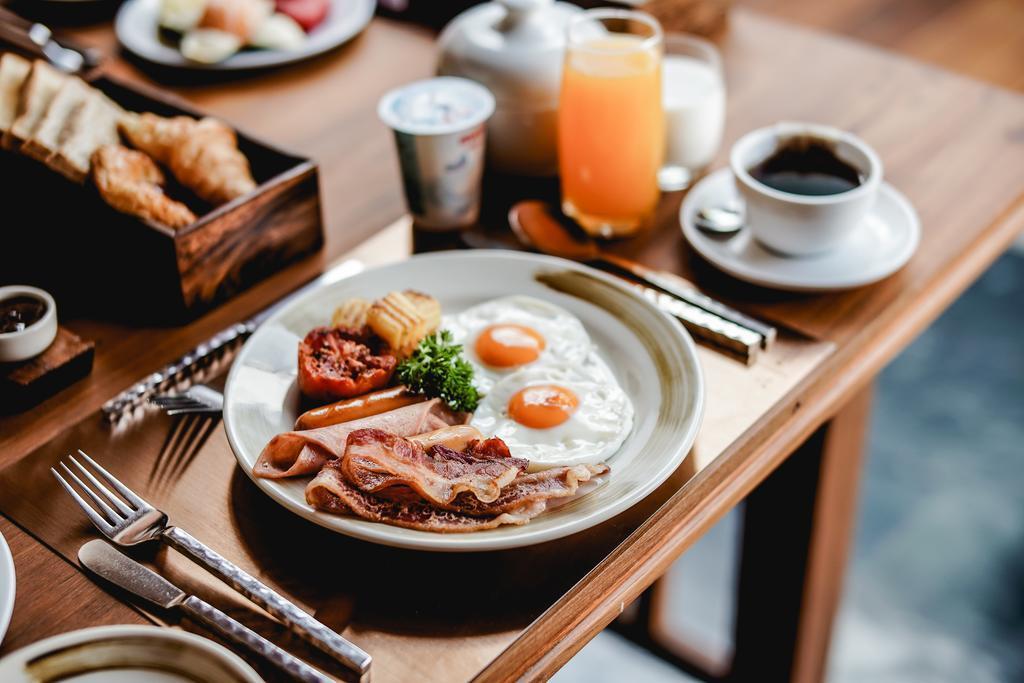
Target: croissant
x,y
203,155
130,182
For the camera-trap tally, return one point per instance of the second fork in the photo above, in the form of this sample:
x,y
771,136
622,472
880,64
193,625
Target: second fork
x,y
195,399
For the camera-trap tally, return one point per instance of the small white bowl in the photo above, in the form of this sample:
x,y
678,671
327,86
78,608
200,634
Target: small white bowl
x,y
34,339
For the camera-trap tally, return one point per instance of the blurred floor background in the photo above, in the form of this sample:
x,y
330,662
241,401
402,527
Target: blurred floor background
x,y
935,590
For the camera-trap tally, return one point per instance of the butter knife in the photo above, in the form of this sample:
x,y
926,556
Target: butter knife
x,y
683,290
216,346
739,341
114,566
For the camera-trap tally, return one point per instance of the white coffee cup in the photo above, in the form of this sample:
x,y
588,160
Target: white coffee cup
x,y
804,225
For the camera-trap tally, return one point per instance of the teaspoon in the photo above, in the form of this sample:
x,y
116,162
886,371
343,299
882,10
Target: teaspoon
x,y
719,220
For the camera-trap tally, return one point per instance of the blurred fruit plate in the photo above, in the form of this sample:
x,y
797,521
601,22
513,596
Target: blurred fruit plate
x,y
138,29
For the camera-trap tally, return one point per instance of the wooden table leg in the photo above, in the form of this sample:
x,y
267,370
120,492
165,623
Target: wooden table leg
x,y
797,529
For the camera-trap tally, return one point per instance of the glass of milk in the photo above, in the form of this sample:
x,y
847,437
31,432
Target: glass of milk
x,y
693,95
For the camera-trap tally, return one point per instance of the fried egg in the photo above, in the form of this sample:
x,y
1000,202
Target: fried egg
x,y
558,414
505,335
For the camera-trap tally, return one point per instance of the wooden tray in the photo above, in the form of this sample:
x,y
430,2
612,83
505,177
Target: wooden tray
x,y
98,261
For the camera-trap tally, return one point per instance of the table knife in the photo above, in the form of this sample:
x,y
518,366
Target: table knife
x,y
114,566
175,372
684,290
739,341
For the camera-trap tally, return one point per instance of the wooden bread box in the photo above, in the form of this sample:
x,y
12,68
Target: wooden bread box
x,y
99,262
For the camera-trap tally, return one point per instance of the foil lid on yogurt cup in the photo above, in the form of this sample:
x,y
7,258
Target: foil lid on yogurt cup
x,y
436,106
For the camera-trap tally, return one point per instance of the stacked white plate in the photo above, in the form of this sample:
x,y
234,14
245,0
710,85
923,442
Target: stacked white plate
x,y
125,654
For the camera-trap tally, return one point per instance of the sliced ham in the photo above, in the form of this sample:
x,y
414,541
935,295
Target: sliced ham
x,y
375,460
295,454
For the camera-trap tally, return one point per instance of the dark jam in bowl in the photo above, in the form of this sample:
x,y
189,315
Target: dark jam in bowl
x,y
20,311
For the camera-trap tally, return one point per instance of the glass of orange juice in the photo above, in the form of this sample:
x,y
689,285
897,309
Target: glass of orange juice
x,y
611,127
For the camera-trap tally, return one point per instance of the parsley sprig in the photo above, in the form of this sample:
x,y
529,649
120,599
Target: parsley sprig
x,y
437,369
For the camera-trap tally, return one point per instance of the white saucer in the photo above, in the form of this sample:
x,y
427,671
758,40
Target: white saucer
x,y
882,246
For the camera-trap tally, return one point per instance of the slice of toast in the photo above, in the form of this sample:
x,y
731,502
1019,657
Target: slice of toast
x,y
93,126
55,125
14,71
40,88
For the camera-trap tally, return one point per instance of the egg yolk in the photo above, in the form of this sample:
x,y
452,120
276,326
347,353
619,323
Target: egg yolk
x,y
504,346
542,406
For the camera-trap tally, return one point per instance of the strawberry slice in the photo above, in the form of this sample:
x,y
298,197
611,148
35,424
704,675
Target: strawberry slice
x,y
307,13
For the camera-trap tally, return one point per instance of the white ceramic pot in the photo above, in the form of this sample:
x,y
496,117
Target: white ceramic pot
x,y
515,48
804,225
34,339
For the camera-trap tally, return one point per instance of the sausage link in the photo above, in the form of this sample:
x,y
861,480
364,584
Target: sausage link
x,y
372,403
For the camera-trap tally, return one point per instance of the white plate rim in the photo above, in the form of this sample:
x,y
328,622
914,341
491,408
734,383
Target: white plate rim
x,y
384,534
781,281
148,48
9,590
13,663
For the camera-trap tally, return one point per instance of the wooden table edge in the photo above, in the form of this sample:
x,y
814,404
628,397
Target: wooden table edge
x,y
564,628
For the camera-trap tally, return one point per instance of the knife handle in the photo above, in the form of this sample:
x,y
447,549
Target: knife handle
x,y
168,376
725,335
236,632
683,289
297,620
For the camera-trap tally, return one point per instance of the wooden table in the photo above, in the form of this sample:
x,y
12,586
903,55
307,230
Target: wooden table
x,y
955,147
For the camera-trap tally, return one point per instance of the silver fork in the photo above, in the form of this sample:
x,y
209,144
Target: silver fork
x,y
195,399
126,519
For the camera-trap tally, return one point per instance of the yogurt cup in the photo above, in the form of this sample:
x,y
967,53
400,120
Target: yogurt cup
x,y
439,132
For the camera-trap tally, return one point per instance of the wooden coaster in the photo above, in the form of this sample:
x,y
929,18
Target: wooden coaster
x,y
24,384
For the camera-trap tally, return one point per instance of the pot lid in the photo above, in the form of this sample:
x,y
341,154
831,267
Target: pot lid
x,y
514,47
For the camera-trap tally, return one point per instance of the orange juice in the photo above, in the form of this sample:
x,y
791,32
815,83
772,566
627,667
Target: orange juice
x,y
611,132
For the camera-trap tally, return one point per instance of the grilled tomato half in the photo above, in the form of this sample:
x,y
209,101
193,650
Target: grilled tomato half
x,y
340,362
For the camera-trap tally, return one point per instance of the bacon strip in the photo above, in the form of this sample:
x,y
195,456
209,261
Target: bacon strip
x,y
329,492
376,460
558,482
522,500
294,454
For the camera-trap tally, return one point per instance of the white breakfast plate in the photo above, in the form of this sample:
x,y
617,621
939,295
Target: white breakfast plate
x,y
8,586
137,27
126,654
652,355
882,246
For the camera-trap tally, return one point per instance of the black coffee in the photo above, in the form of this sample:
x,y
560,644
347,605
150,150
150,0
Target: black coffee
x,y
809,166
